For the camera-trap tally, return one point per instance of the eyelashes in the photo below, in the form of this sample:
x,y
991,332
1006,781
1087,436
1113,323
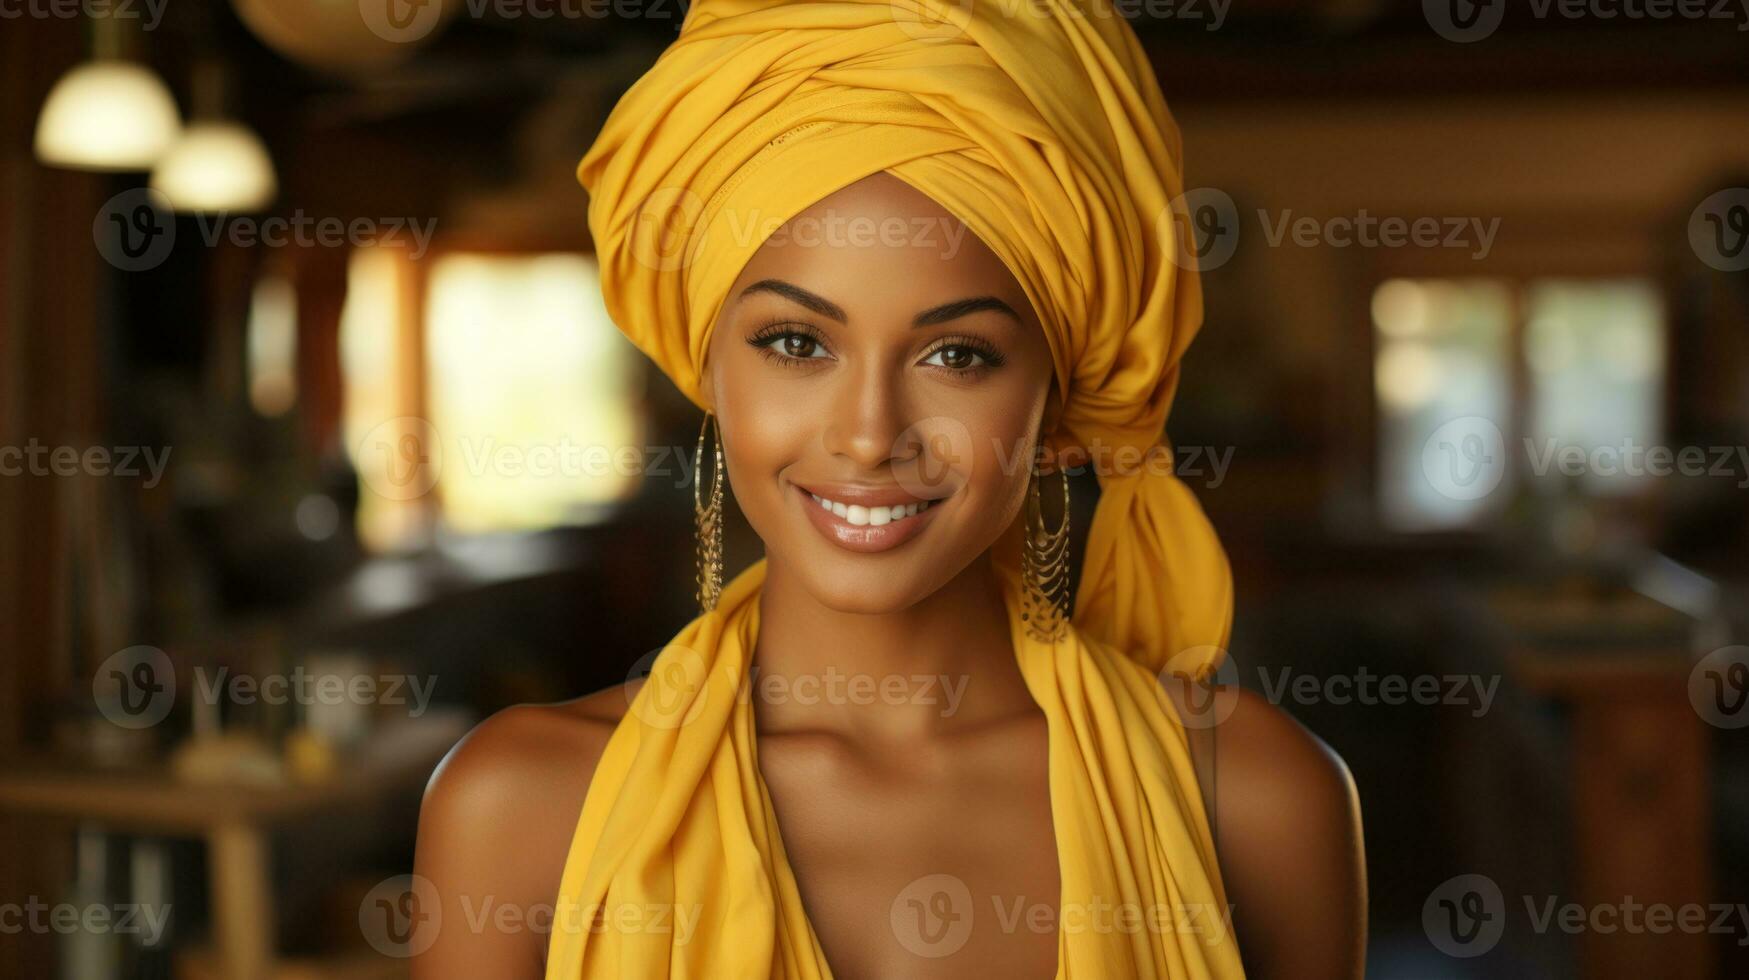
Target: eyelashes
x,y
766,338
770,337
966,344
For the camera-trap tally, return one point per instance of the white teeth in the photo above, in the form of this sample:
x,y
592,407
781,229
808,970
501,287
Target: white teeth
x,y
862,516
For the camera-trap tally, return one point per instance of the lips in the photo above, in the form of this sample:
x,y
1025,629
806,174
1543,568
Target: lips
x,y
858,515
865,519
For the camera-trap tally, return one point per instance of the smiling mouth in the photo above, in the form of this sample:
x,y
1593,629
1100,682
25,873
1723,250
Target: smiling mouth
x,y
857,515
879,520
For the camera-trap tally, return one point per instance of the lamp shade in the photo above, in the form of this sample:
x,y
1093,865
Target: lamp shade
x,y
106,115
216,166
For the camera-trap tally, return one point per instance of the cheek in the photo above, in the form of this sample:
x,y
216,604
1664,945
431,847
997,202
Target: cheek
x,y
762,434
1005,431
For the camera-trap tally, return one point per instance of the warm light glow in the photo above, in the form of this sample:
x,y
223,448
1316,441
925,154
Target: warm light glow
x,y
273,346
1400,308
1407,375
373,369
537,394
107,115
216,166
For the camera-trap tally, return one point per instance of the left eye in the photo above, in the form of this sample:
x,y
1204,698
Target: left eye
x,y
798,345
955,358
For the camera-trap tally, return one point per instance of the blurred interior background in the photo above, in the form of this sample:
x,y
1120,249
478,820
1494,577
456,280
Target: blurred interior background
x,y
306,379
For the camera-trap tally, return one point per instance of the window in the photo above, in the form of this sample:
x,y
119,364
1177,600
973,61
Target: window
x,y
1451,451
533,388
1439,370
485,392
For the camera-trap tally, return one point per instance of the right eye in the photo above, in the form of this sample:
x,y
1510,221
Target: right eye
x,y
788,345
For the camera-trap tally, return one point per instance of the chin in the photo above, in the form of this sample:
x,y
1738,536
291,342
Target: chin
x,y
881,596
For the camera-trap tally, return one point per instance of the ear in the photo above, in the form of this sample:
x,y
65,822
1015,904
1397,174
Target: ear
x,y
707,389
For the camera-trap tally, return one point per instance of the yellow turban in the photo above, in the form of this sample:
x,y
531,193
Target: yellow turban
x,y
1040,125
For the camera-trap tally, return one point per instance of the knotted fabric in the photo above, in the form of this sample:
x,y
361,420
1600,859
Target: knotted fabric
x,y
1040,125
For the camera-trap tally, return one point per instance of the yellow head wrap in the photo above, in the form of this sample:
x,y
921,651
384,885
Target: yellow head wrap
x,y
1040,125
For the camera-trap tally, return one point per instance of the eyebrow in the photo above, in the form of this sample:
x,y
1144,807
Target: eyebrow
x,y
930,317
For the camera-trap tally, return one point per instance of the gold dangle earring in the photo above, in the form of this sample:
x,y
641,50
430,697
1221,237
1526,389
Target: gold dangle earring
x,y
709,521
1044,565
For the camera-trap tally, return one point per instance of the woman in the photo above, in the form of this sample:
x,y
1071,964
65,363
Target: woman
x,y
911,260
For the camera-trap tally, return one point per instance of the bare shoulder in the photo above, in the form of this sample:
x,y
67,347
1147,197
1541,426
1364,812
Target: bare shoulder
x,y
1287,824
532,748
1265,757
496,824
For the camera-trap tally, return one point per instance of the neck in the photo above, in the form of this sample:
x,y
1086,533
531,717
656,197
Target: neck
x,y
944,663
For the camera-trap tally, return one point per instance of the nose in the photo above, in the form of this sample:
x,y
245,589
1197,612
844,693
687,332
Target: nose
x,y
865,418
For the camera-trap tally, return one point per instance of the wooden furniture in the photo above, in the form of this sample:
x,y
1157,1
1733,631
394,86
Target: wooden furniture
x,y
236,822
1642,826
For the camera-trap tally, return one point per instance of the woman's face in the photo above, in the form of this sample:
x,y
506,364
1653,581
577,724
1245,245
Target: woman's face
x,y
879,379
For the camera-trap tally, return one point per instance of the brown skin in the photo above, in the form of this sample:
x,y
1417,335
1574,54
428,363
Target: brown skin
x,y
874,793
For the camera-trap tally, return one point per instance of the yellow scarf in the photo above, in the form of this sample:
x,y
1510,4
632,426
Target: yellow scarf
x,y
1040,125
